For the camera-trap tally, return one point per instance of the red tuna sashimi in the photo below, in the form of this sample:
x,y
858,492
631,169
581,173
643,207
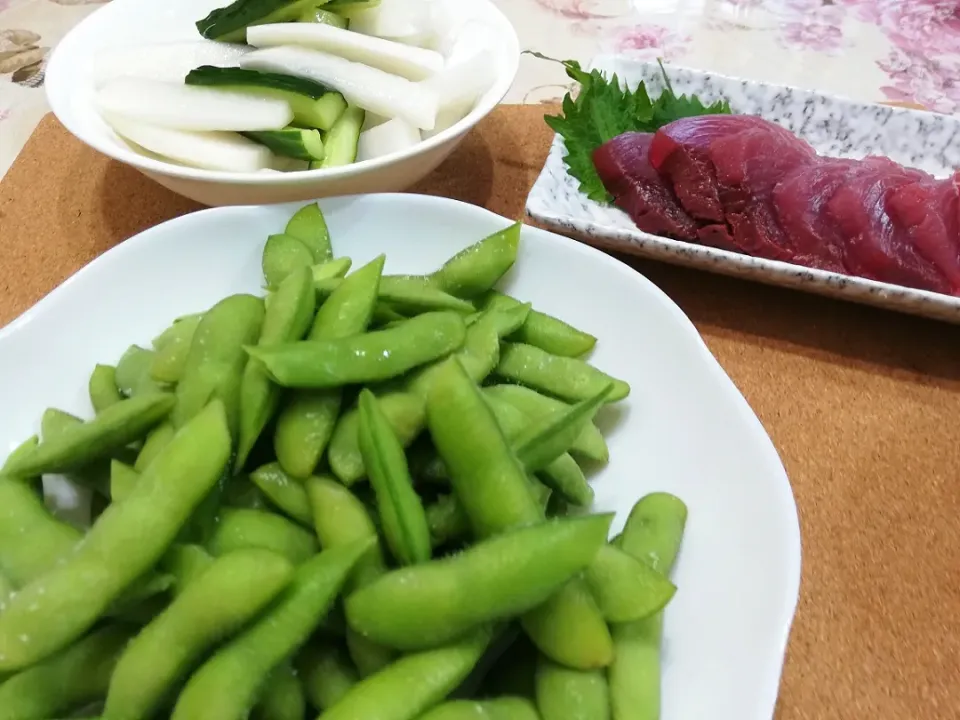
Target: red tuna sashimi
x,y
872,246
927,213
679,153
637,188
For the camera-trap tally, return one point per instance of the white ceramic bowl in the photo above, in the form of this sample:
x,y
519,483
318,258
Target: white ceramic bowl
x,y
684,429
70,90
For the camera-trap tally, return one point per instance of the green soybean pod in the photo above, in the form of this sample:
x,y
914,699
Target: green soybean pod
x,y
111,430
401,512
133,372
405,299
186,563
23,448
156,440
566,378
625,588
652,534
413,683
23,515
545,331
94,475
367,358
405,413
123,479
75,677
306,423
231,591
502,708
477,268
6,587
327,674
309,227
567,694
103,387
173,330
284,492
240,528
282,255
331,269
171,354
228,684
126,540
287,317
570,629
283,697
431,603
447,520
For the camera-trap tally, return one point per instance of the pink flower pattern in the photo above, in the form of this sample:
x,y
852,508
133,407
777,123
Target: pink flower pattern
x,y
649,41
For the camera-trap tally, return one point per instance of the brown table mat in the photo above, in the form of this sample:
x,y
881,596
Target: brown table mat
x,y
862,404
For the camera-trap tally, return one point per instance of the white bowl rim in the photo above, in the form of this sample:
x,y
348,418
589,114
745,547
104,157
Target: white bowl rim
x,y
63,51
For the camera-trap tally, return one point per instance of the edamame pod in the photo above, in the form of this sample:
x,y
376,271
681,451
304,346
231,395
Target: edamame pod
x,y
186,563
231,591
476,269
94,475
73,678
305,425
286,319
652,534
545,331
566,378
331,269
502,708
405,299
326,673
447,520
428,604
625,588
240,528
367,358
133,372
174,329
157,439
401,512
113,428
283,697
405,413
567,694
103,387
228,684
171,354
309,227
282,255
216,359
124,542
23,448
413,683
283,491
123,479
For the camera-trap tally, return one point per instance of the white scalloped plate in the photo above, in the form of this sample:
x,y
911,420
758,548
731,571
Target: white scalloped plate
x,y
835,127
684,429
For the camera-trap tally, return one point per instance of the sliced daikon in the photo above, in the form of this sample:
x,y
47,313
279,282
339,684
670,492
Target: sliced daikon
x,y
464,82
410,62
371,120
165,61
366,87
448,117
186,107
209,150
389,137
406,21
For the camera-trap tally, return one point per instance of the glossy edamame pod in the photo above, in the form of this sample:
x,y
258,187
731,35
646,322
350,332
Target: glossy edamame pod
x,y
284,492
171,354
309,227
282,254
502,708
569,628
407,687
93,476
123,479
545,331
23,448
625,588
112,429
283,697
590,444
567,694
431,603
216,359
306,423
652,534
228,684
331,269
327,674
186,563
241,528
476,269
103,387
286,319
124,542
401,512
173,330
231,591
156,440
133,372
240,492
23,515
366,358
566,378
405,413
447,520
405,299
70,679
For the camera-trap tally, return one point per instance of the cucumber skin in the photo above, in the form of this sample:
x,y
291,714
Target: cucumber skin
x,y
230,23
341,141
290,142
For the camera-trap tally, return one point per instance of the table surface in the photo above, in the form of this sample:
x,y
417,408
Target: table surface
x,y
901,50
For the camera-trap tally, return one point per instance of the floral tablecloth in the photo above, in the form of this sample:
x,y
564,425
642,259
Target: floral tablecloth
x,y
880,50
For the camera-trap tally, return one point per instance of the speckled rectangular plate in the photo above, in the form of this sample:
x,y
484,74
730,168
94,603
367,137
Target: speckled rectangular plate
x,y
835,127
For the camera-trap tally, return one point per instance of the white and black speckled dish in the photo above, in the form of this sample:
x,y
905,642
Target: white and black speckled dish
x,y
834,126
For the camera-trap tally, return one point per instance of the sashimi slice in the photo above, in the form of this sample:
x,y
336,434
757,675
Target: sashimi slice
x,y
208,150
389,137
366,87
413,63
164,61
187,107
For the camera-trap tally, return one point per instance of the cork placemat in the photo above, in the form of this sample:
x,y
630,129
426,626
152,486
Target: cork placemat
x,y
862,404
